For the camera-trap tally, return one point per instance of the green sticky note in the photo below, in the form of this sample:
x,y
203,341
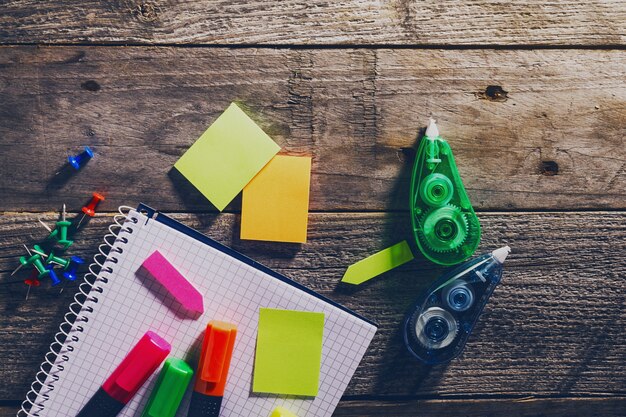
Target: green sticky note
x,y
226,157
288,352
376,264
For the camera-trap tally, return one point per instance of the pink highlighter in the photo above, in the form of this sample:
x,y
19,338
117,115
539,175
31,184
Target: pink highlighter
x,y
128,377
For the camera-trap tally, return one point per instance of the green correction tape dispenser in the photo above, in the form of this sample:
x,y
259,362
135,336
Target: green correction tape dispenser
x,y
445,226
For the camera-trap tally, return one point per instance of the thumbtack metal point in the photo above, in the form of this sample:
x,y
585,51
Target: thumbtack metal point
x,y
17,269
45,225
81,220
38,251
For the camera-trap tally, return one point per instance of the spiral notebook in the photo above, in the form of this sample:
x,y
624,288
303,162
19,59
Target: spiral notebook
x,y
116,305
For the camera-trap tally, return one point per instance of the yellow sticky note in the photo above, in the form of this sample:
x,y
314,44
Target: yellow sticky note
x,y
275,204
376,264
227,156
288,352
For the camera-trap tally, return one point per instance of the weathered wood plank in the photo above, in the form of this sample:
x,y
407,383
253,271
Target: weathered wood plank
x,y
524,407
553,327
556,141
404,22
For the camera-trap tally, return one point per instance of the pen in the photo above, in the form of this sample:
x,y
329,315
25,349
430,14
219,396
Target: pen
x,y
128,377
217,349
169,389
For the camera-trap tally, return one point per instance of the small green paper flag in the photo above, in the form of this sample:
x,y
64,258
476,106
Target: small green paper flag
x,y
376,264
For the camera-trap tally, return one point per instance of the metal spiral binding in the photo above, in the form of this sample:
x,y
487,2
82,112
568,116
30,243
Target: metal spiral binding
x,y
78,312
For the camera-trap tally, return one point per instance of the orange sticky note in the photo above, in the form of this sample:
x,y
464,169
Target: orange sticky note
x,y
275,204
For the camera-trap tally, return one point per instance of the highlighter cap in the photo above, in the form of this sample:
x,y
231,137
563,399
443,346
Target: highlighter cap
x,y
217,349
282,412
136,367
169,389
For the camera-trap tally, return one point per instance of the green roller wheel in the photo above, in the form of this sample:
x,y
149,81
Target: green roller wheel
x,y
436,190
444,229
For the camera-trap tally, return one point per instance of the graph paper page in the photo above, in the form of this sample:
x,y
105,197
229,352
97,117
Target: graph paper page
x,y
132,303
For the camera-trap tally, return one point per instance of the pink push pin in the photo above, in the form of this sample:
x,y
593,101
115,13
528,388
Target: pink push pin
x,y
90,209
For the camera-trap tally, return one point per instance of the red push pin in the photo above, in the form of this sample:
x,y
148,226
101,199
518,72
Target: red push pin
x,y
90,209
32,281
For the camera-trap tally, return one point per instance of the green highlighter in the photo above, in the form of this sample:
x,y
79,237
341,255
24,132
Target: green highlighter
x,y
169,389
445,226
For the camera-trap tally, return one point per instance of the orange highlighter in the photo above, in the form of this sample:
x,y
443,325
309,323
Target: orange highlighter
x,y
217,349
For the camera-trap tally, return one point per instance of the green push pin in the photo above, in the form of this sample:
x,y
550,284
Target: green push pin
x,y
49,269
54,259
36,260
38,263
60,232
40,267
62,226
25,261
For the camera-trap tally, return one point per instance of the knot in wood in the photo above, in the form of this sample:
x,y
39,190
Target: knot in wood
x,y
493,93
548,168
146,12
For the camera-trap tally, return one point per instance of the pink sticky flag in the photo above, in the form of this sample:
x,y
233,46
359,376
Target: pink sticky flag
x,y
176,284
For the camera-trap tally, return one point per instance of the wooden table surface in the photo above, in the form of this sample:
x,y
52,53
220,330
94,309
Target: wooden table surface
x,y
530,94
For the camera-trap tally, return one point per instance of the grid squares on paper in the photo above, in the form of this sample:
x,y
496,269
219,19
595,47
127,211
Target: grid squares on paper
x,y
233,291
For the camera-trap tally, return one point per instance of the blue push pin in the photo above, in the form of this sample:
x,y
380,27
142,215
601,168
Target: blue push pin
x,y
53,275
72,267
79,160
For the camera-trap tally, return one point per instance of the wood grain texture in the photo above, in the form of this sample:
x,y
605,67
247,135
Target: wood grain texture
x,y
553,138
320,22
531,130
522,407
553,327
